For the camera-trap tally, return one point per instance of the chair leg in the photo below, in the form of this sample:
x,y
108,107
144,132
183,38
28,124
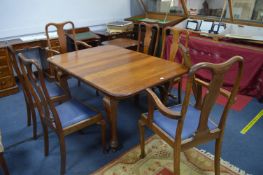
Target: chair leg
x,y
3,164
218,147
179,92
176,161
28,114
46,140
142,141
33,115
103,135
62,154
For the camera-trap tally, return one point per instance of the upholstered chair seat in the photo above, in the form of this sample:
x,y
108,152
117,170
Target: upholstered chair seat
x,y
190,124
73,108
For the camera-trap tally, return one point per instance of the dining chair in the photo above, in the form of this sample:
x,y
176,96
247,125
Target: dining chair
x,y
148,38
184,126
63,44
2,159
58,93
175,35
63,119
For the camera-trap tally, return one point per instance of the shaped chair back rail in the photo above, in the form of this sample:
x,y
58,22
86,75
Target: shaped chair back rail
x,y
176,35
63,37
63,45
63,119
171,53
59,94
148,38
184,126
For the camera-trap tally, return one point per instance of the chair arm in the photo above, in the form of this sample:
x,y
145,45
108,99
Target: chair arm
x,y
59,99
52,51
83,44
161,107
224,92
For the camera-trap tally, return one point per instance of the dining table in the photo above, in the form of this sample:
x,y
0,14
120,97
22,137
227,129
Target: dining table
x,y
117,73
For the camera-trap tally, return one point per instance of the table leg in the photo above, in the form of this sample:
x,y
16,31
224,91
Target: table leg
x,y
111,105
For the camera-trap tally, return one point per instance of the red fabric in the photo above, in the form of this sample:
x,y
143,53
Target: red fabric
x,y
216,52
165,171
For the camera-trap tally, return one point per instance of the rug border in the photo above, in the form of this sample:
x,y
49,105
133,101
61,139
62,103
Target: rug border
x,y
205,153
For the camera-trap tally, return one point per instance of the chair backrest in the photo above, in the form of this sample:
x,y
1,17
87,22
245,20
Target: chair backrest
x,y
62,36
148,38
36,84
176,35
16,67
214,88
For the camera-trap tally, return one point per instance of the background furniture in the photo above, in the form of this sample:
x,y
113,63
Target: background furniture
x,y
184,126
118,73
7,81
105,36
122,42
153,13
63,119
2,159
207,50
148,38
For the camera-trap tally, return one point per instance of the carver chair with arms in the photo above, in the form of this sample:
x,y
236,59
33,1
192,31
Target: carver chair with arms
x,y
174,35
58,93
63,44
148,38
63,119
184,126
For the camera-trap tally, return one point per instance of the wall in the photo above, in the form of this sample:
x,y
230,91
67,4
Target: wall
x,y
195,4
30,16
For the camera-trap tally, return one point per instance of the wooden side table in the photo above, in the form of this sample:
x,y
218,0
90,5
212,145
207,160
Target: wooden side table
x,y
105,36
122,42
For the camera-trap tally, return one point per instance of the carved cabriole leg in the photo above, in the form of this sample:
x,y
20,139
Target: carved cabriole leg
x,y
218,147
110,105
142,141
3,164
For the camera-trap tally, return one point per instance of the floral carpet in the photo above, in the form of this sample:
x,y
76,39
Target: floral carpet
x,y
159,161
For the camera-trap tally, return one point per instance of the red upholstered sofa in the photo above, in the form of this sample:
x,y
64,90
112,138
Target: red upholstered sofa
x,y
205,49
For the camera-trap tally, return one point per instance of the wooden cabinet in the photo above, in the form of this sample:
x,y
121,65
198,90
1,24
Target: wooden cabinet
x,y
7,81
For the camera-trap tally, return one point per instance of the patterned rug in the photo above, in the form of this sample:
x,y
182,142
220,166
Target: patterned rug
x,y
159,161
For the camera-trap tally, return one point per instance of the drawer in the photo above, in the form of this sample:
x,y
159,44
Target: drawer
x,y
7,82
54,43
4,71
3,61
3,52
